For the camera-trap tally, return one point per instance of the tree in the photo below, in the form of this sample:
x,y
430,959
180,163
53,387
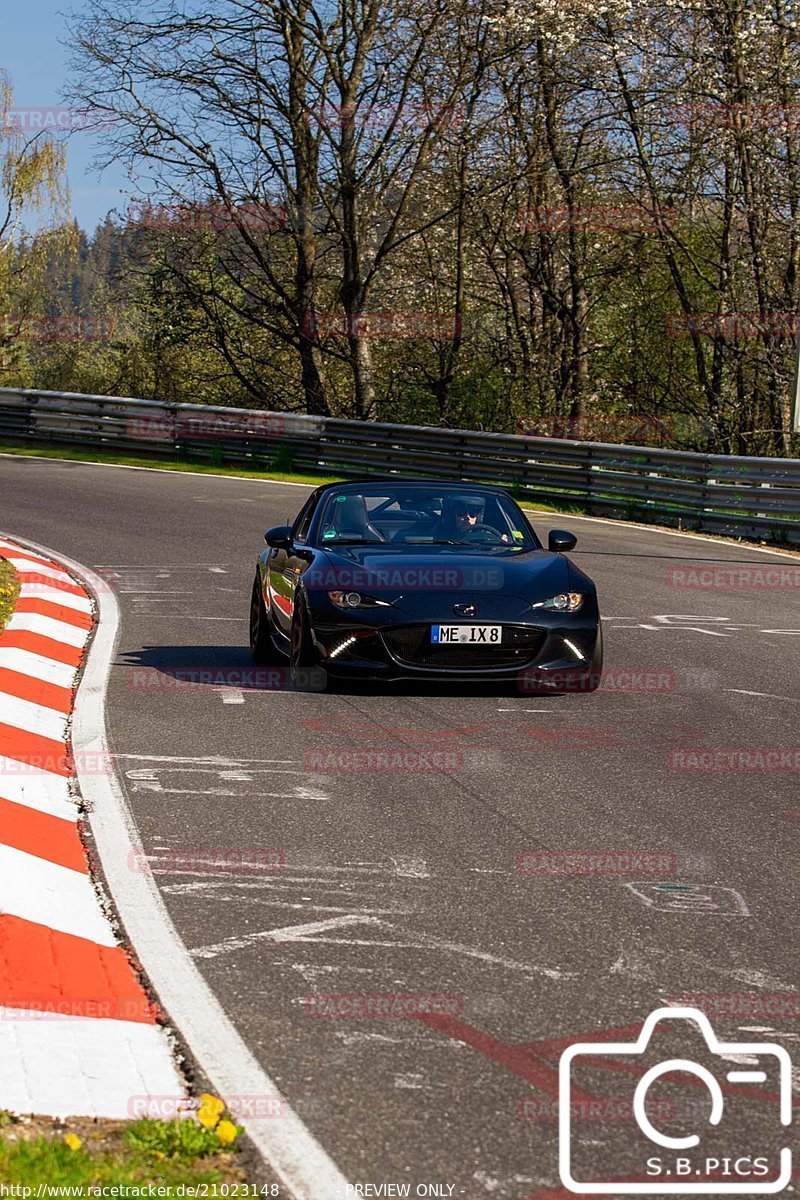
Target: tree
x,y
31,185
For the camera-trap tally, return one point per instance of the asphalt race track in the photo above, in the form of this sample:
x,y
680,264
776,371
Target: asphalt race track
x,y
407,882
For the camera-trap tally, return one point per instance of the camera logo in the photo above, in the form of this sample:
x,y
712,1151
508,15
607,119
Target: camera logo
x,y
730,1076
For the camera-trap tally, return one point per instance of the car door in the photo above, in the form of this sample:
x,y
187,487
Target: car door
x,y
284,568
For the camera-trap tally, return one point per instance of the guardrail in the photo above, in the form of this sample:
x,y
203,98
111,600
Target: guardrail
x,y
737,496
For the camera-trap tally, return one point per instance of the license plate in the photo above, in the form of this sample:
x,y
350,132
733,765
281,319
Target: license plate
x,y
470,635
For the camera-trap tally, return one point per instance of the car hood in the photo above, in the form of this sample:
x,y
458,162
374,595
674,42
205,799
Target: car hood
x,y
533,574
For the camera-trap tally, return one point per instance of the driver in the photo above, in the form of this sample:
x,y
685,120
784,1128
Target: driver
x,y
460,514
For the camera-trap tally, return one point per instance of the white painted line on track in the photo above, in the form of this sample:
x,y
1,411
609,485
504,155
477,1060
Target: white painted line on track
x,y
187,616
84,462
38,890
206,760
288,1146
763,695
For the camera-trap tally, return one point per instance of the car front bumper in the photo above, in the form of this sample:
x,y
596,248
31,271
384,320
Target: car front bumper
x,y
558,652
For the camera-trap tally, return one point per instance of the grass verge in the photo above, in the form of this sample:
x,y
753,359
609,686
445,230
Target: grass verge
x,y
9,590
82,1153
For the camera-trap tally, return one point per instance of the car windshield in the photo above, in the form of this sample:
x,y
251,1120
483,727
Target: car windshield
x,y
406,515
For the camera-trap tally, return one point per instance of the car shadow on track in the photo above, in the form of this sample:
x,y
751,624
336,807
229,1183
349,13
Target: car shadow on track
x,y
195,668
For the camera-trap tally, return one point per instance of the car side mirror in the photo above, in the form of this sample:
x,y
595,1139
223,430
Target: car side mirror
x,y
279,537
559,540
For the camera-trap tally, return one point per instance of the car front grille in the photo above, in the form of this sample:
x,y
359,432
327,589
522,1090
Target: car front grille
x,y
411,644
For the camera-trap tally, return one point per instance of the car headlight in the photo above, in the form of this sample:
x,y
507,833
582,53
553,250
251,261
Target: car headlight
x,y
356,600
563,602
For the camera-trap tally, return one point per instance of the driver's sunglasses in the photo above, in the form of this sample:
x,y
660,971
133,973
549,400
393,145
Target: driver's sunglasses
x,y
471,512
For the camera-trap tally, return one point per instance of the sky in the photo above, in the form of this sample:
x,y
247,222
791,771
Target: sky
x,y
34,57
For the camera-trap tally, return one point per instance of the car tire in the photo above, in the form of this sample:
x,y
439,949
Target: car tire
x,y
262,647
304,664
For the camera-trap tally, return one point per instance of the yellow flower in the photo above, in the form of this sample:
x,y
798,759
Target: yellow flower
x,y
210,1110
226,1132
73,1141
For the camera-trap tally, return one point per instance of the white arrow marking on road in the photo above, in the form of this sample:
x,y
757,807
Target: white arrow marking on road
x,y
306,933
155,786
693,628
287,933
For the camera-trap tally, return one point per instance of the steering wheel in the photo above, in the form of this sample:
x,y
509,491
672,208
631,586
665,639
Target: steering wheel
x,y
486,533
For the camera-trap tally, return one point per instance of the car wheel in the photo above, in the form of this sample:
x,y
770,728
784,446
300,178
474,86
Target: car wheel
x,y
261,645
304,665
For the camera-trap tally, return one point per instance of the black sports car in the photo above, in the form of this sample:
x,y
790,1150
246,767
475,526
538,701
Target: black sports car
x,y
396,579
